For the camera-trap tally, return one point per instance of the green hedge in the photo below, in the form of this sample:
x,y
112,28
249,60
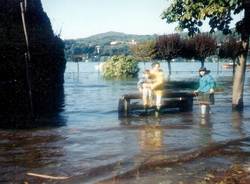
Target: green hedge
x,y
120,67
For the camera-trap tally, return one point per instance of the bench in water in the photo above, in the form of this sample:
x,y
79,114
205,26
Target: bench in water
x,y
131,103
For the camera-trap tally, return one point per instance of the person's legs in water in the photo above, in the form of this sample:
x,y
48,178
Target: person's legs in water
x,y
145,98
158,104
205,110
150,97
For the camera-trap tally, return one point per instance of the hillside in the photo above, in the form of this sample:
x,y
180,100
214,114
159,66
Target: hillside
x,y
104,44
113,43
106,38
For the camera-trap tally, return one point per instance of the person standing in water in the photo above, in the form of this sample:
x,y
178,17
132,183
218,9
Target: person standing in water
x,y
205,92
158,81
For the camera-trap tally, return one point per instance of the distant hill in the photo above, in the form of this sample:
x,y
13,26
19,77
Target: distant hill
x,y
113,43
108,44
105,38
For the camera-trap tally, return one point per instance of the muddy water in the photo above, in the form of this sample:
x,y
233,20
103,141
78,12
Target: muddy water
x,y
94,145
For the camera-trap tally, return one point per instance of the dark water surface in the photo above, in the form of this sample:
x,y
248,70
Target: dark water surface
x,y
95,145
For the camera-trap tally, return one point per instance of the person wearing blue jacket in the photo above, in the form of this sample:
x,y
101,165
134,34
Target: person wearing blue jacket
x,y
205,92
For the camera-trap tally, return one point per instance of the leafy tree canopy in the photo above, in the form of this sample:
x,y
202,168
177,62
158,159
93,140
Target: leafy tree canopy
x,y
144,51
190,14
230,49
169,46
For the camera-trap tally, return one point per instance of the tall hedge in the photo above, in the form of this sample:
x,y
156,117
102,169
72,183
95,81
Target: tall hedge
x,y
46,66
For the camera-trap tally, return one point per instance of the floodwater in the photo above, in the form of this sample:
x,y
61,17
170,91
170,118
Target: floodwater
x,y
94,146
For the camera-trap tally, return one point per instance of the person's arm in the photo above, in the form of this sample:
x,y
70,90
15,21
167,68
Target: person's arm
x,y
197,90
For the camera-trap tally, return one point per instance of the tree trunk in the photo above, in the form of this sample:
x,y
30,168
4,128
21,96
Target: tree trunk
x,y
218,66
239,77
234,64
202,63
240,68
169,68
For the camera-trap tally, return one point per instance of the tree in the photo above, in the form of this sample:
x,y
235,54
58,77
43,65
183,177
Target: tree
x,y
144,51
188,50
190,15
204,46
230,49
169,47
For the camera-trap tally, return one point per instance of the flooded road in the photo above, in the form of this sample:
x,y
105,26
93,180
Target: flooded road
x,y
95,146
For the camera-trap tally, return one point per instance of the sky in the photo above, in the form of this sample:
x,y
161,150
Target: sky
x,y
83,18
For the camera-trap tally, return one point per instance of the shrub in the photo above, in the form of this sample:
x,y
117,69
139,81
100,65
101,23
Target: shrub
x,y
120,67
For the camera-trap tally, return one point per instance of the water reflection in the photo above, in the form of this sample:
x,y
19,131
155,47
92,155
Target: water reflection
x,y
48,107
27,151
151,136
205,121
237,121
150,132
205,130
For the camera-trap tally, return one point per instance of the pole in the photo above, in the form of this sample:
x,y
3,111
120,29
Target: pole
x,y
218,67
78,71
25,5
27,56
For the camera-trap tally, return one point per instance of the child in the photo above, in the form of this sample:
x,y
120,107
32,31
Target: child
x,y
144,86
205,91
